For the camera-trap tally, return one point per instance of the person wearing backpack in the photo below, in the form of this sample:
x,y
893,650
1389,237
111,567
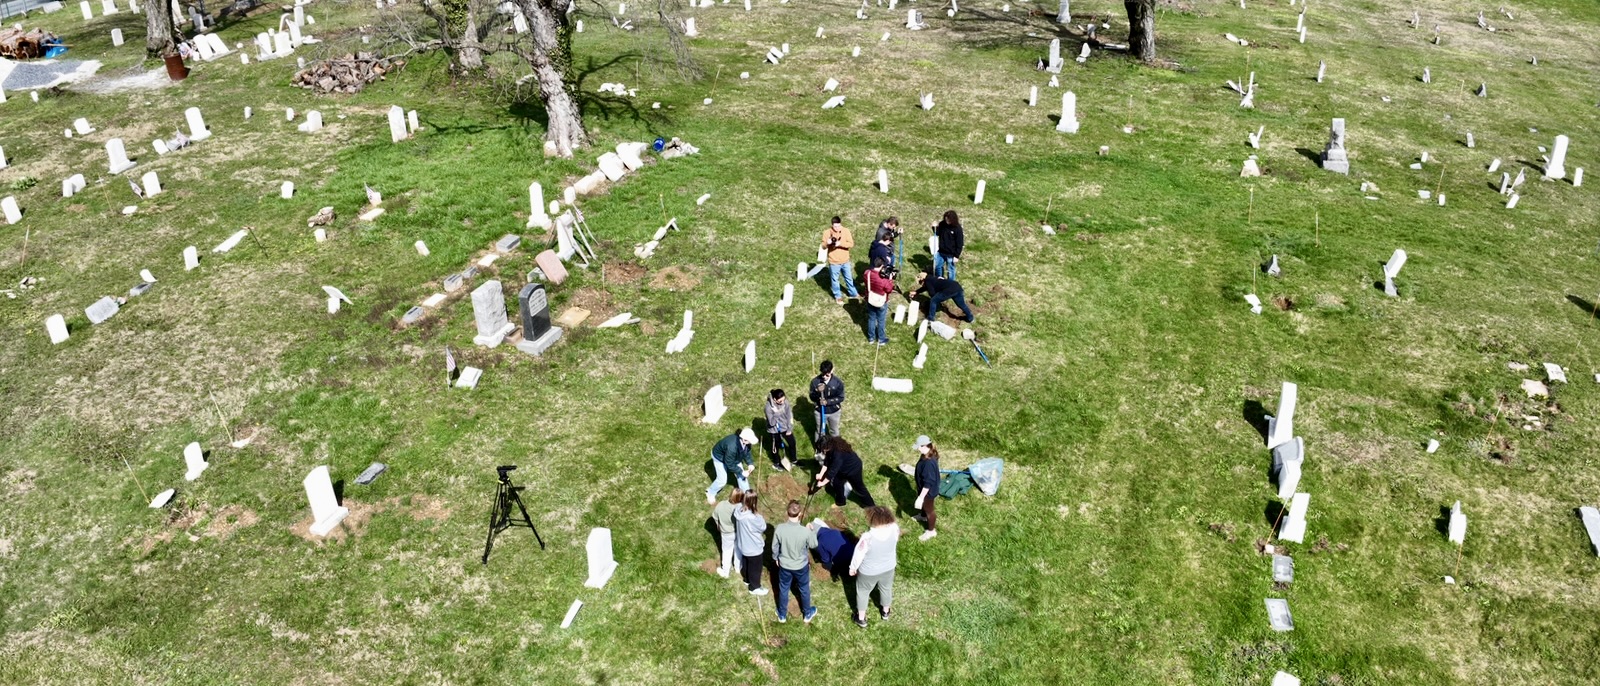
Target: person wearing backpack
x,y
880,283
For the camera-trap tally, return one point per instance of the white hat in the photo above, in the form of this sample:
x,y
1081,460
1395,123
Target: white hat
x,y
747,436
922,441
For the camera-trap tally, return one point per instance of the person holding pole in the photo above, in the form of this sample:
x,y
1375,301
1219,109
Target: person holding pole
x,y
927,486
726,457
780,430
827,394
951,240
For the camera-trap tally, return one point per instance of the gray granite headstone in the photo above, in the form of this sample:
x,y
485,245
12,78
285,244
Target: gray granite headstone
x,y
413,315
453,282
508,242
1278,615
1334,158
1282,569
139,290
377,468
537,333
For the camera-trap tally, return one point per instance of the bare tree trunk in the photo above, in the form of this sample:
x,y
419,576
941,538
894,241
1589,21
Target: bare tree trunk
x,y
470,57
550,59
1141,28
1064,12
160,34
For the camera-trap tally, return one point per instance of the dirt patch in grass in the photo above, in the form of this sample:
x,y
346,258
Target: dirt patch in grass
x,y
354,524
623,272
18,482
676,278
777,490
1282,302
596,301
230,519
710,566
766,665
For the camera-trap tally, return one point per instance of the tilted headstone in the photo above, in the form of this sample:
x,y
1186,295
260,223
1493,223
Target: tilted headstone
x,y
313,122
550,263
1391,268
162,499
116,38
371,473
1591,524
1334,158
788,295
1033,96
191,258
1287,461
101,310
1557,168
977,196
489,311
1294,528
88,13
325,510
56,326
714,407
1280,427
749,356
8,207
411,121
197,125
921,358
778,314
194,460
397,124
151,183
537,333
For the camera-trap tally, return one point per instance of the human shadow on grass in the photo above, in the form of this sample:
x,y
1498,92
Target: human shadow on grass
x,y
901,490
1588,308
1256,415
1313,155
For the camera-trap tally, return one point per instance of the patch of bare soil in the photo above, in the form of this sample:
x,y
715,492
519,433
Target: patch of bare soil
x,y
710,566
355,523
1282,303
623,272
596,301
777,490
230,519
676,278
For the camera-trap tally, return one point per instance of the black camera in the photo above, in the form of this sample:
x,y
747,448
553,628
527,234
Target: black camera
x,y
504,470
888,272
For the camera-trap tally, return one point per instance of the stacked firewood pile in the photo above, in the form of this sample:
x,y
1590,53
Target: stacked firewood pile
x,y
17,44
348,74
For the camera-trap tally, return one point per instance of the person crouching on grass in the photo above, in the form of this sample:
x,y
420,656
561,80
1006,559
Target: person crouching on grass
x,y
727,456
750,529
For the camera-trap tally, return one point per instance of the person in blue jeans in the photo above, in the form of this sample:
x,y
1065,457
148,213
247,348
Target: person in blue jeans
x,y
731,455
836,244
880,283
792,544
951,240
939,290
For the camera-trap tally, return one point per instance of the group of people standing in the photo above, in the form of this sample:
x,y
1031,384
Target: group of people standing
x,y
883,269
743,527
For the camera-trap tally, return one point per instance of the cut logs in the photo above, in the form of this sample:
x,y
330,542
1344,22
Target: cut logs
x,y
348,74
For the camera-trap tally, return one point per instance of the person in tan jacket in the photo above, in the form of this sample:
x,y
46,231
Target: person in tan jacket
x,y
837,242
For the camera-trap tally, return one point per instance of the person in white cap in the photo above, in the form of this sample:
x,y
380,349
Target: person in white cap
x,y
927,486
731,455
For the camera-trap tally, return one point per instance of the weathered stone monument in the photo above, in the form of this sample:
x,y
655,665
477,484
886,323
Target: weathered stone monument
x,y
1294,529
1334,158
397,124
1557,167
1280,427
537,333
8,207
1458,525
489,311
1069,113
1391,269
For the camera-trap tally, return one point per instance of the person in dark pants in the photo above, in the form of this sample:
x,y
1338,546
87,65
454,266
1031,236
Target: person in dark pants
x,y
939,290
882,250
750,530
951,240
927,477
841,473
792,544
780,430
827,395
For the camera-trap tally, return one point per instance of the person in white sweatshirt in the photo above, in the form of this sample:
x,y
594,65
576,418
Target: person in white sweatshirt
x,y
873,563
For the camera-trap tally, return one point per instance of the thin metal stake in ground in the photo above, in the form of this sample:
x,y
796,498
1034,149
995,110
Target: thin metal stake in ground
x,y
220,416
135,476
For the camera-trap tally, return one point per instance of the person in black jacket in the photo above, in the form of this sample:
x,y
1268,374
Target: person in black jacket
x,y
927,486
951,240
827,395
882,250
841,472
940,290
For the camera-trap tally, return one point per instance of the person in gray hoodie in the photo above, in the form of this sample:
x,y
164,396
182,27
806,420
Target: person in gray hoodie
x,y
750,534
780,430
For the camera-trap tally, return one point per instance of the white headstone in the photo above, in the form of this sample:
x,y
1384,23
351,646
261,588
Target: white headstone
x,y
160,146
1391,268
87,12
151,183
1557,168
116,38
108,7
197,125
601,563
1280,428
1591,524
195,460
788,295
713,404
1288,460
1069,113
8,207
101,310
912,311
749,356
1458,525
883,181
191,258
1322,70
397,124
325,510
411,121
1033,96
287,190
489,311
313,122
422,248
977,196
1555,373
56,326
1285,679
1294,528
2,150
899,314
1577,174
778,314
611,165
921,358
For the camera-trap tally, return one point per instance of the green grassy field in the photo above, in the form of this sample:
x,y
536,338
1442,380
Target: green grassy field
x,y
1127,369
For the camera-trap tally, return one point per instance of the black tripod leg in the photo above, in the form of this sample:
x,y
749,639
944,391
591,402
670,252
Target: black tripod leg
x,y
524,508
494,519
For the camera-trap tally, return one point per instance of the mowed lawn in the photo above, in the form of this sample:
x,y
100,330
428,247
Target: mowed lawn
x,y
1126,383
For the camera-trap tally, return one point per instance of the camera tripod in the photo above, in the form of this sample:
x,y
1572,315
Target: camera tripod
x,y
500,516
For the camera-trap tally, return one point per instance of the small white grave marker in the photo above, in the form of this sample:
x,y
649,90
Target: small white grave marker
x,y
713,405
56,326
195,460
325,510
601,562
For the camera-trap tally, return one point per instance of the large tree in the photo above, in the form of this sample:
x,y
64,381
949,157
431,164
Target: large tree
x,y
549,53
160,33
1141,28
